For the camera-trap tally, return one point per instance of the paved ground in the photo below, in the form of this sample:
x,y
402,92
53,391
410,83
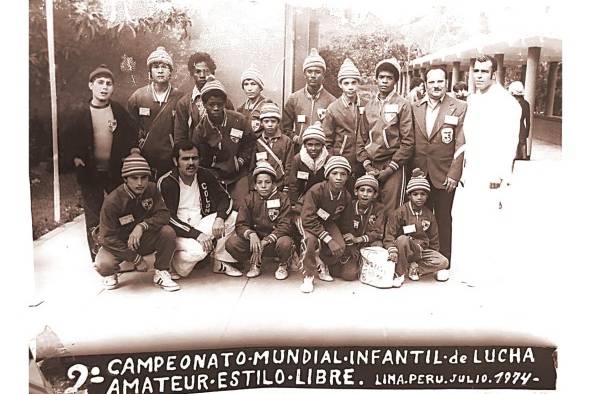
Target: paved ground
x,y
213,311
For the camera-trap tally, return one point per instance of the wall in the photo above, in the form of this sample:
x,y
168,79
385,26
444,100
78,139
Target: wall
x,y
547,129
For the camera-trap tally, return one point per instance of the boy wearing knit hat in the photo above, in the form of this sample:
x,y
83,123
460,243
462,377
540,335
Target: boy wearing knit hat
x,y
308,104
152,108
412,237
344,117
97,137
252,84
224,140
134,223
326,216
263,226
387,141
273,146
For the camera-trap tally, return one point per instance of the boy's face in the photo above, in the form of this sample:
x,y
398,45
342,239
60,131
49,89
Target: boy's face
x,y
349,87
215,108
314,76
137,183
160,72
365,194
418,198
337,178
102,89
251,88
313,147
270,125
386,81
264,185
187,162
200,73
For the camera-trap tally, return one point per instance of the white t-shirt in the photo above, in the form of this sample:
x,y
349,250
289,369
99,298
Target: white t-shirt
x,y
189,210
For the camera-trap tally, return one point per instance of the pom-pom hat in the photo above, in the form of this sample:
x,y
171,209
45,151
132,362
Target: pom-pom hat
x,y
270,110
418,181
160,56
336,162
314,60
367,180
135,164
253,73
314,132
264,167
212,84
348,70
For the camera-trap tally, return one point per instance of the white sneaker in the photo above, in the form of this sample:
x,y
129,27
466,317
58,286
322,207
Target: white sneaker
x,y
323,272
281,272
110,282
398,281
413,272
163,279
442,275
253,272
220,267
174,275
308,285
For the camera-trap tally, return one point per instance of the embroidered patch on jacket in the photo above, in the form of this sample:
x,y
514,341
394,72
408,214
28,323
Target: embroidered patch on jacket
x,y
339,209
426,224
112,125
447,135
372,219
321,113
147,203
273,213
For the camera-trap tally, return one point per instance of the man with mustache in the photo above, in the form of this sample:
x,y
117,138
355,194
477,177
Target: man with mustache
x,y
439,152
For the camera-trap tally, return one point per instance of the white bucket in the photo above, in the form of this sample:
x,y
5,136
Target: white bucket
x,y
376,270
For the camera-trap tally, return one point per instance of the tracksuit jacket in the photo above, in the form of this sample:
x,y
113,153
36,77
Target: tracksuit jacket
x,y
302,109
301,179
423,231
267,217
282,147
368,223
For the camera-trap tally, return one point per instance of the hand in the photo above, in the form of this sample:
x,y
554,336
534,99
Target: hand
x,y
78,162
370,170
218,228
255,243
385,174
358,240
296,139
349,238
393,256
264,243
133,242
336,249
450,184
206,242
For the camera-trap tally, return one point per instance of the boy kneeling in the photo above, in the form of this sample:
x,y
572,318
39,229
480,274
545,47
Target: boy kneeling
x,y
264,214
412,238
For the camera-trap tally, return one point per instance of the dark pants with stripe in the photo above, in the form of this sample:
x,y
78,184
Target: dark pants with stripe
x,y
442,202
239,248
392,190
428,260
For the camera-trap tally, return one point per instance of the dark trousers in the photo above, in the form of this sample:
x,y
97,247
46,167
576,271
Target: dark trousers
x,y
409,251
442,202
393,189
239,248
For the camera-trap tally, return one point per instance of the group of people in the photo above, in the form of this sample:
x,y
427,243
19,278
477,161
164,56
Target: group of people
x,y
306,187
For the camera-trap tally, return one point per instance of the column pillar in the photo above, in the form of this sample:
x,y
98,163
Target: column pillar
x,y
500,58
533,61
455,73
551,89
471,76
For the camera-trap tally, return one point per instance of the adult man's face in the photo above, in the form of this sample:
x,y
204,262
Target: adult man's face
x,y
483,75
314,76
215,108
200,73
386,82
187,162
436,85
102,89
160,72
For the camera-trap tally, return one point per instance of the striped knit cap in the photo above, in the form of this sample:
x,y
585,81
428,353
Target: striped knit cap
x,y
253,73
314,132
389,64
264,167
270,110
160,56
348,70
314,60
418,181
367,180
212,85
135,164
336,162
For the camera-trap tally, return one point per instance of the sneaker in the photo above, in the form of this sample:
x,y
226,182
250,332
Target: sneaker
x,y
110,282
323,272
413,272
398,281
220,267
163,279
174,275
281,272
442,275
308,285
254,271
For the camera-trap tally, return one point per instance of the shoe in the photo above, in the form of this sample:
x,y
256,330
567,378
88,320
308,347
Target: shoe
x,y
110,282
281,272
163,279
220,267
398,281
323,272
413,272
442,275
174,275
308,285
254,271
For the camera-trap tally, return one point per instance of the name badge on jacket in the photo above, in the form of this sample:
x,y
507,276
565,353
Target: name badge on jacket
x,y
391,108
409,229
275,203
301,118
144,111
126,219
361,110
322,214
236,133
355,224
451,119
303,175
261,156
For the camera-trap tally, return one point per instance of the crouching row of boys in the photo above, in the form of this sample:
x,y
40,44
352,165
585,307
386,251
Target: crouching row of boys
x,y
189,214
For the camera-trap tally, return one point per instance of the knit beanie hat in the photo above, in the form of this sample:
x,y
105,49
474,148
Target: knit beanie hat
x,y
418,181
336,162
160,56
390,64
367,180
270,110
100,71
253,73
135,164
264,167
516,88
348,70
212,85
314,60
314,132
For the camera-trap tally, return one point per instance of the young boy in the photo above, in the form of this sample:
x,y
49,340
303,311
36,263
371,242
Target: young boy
x,y
263,225
411,236
273,146
134,223
325,217
367,225
252,84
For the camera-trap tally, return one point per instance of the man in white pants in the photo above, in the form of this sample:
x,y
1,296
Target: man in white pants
x,y
200,213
